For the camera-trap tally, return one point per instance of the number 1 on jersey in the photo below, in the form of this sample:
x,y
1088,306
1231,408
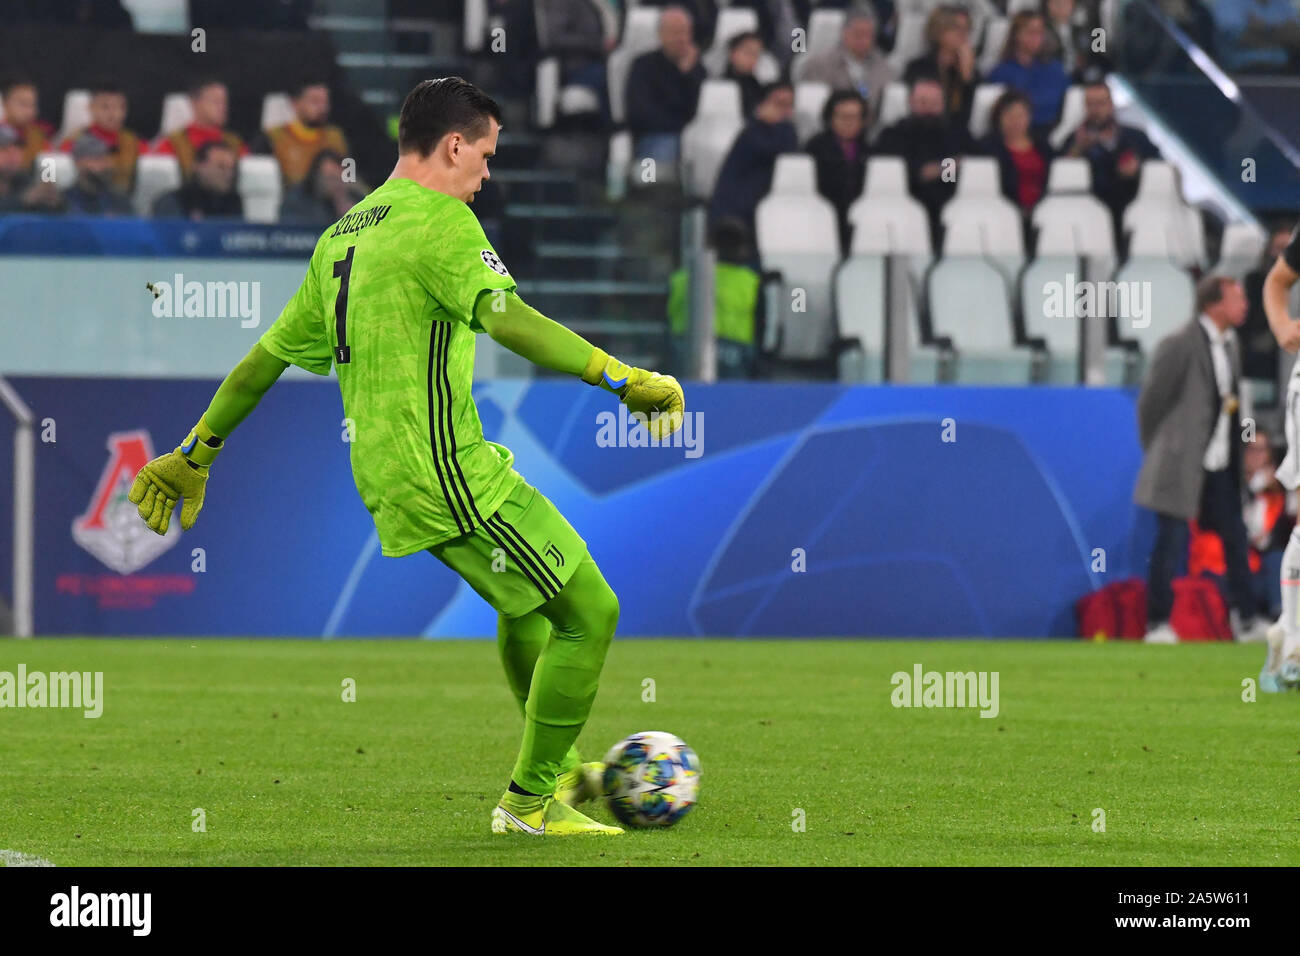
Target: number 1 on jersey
x,y
342,272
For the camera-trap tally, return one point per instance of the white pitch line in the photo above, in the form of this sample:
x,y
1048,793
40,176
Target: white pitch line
x,y
14,858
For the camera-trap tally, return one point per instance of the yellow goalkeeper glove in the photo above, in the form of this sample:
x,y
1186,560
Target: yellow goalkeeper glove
x,y
657,398
182,473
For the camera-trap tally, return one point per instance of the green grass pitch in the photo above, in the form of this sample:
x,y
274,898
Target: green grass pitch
x,y
257,735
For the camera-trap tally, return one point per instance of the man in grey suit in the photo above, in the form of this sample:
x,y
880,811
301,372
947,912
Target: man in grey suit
x,y
1189,423
856,63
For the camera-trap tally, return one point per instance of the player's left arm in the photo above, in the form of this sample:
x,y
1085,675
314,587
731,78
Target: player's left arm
x,y
1277,288
519,327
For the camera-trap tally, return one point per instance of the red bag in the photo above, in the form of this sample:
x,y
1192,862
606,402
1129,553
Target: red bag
x,y
1117,610
1200,613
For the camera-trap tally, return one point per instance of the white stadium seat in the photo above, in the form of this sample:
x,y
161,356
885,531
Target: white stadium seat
x,y
978,178
860,310
177,113
640,35
885,218
893,105
995,37
809,101
1168,296
159,16
277,110
798,235
1044,285
708,137
1072,222
981,112
76,113
983,338
154,175
1160,223
259,187
909,40
1242,247
1071,117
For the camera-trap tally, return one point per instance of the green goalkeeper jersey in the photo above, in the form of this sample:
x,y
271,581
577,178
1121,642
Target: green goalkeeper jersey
x,y
388,300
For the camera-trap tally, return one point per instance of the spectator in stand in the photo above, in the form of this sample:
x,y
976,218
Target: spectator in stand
x,y
323,197
22,112
296,144
210,192
1023,157
95,192
663,88
581,33
925,139
107,118
1068,39
19,191
1114,152
210,102
1025,66
840,152
951,59
743,51
856,63
1259,351
703,14
746,174
1256,35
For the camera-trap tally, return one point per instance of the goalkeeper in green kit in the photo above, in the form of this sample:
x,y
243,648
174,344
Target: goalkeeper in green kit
x,y
393,297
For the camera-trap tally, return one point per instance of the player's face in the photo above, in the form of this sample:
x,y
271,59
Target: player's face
x,y
108,110
474,160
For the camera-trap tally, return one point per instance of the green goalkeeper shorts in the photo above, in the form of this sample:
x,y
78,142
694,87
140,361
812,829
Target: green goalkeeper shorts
x,y
521,557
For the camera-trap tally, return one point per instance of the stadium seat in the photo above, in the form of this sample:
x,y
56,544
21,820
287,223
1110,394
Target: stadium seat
x,y
707,138
731,21
1026,6
177,113
885,218
893,106
1168,296
76,113
640,35
809,101
979,221
986,94
277,110
1240,250
1070,221
909,40
64,169
824,30
995,37
797,235
154,175
1158,221
159,16
259,187
1071,117
984,338
1045,284
860,309
618,164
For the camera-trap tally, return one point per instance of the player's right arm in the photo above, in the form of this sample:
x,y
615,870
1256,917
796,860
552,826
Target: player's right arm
x,y
1277,289
297,337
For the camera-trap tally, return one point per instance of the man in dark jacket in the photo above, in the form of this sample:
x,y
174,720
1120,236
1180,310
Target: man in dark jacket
x,y
840,152
924,139
1114,152
210,193
663,88
746,174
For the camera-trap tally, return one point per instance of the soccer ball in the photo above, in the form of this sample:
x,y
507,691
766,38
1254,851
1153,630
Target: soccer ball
x,y
651,779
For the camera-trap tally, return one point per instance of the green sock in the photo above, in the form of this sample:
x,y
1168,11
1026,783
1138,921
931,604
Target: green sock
x,y
520,641
566,676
